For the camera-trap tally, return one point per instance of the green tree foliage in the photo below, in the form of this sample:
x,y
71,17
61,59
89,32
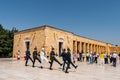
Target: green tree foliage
x,y
6,41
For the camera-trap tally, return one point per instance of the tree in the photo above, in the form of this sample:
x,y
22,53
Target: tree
x,y
6,41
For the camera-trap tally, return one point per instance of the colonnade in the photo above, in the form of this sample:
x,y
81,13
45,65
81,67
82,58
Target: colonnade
x,y
87,47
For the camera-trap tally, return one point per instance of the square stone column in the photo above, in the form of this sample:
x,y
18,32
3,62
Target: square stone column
x,y
78,46
90,47
74,46
97,49
87,47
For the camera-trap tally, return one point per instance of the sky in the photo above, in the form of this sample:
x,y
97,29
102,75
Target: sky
x,y
95,19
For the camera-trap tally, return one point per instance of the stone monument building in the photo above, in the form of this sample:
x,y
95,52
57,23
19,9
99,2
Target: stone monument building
x,y
48,37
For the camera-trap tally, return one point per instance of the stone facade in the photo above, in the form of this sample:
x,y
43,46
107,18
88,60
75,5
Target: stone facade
x,y
47,37
115,48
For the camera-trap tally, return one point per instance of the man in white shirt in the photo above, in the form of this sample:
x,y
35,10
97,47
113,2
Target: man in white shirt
x,y
42,57
114,58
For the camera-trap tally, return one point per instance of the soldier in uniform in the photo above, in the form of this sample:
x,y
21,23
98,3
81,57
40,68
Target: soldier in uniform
x,y
64,58
35,56
53,58
28,57
68,59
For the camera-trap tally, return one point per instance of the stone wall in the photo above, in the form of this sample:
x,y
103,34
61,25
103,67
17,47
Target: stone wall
x,y
47,37
34,38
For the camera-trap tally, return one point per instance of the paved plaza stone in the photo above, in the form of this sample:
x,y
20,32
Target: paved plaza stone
x,y
11,69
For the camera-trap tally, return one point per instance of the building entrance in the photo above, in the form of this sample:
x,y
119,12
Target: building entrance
x,y
27,45
60,48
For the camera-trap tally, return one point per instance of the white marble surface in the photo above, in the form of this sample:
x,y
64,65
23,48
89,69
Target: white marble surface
x,y
11,69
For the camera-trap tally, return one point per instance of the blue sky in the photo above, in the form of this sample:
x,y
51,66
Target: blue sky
x,y
95,19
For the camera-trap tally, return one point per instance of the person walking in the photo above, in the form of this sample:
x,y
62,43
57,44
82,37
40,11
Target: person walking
x,y
64,58
18,55
105,58
87,57
101,58
96,57
35,56
114,59
80,56
74,56
68,59
83,56
28,57
119,56
111,58
42,57
53,58
91,57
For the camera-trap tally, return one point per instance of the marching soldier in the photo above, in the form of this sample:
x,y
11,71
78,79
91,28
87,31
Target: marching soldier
x,y
28,57
68,59
53,58
35,56
64,58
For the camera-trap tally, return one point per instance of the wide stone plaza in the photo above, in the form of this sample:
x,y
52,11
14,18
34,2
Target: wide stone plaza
x,y
11,69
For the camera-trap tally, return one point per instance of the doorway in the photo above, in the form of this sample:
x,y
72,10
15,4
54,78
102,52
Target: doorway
x,y
60,48
27,45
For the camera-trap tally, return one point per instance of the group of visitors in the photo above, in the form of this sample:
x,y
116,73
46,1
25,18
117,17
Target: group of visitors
x,y
103,58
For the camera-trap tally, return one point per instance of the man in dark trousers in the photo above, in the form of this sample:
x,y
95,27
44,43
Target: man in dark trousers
x,y
80,56
53,58
35,56
28,57
114,58
68,59
64,58
119,56
105,58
